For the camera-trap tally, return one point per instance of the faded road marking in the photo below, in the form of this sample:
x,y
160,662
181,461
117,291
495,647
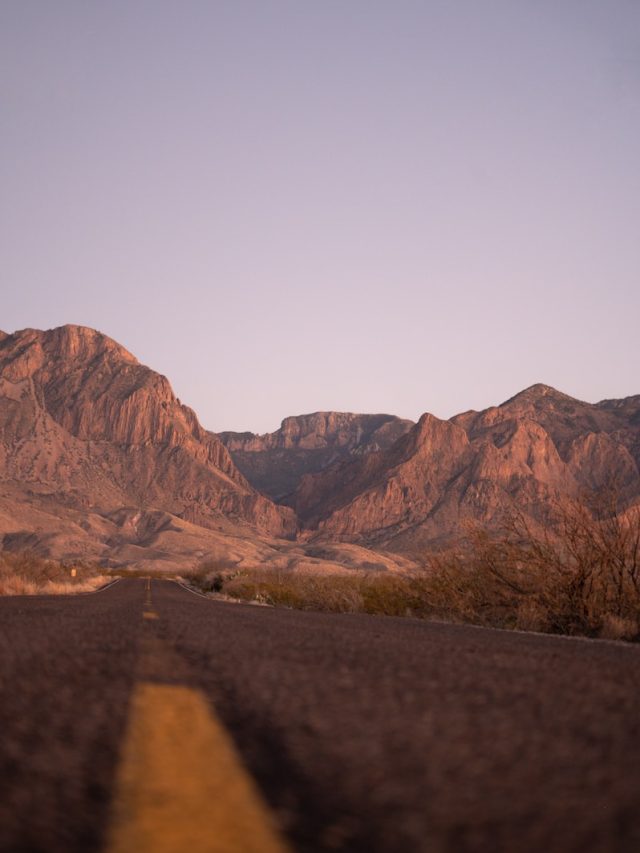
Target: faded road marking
x,y
150,614
181,787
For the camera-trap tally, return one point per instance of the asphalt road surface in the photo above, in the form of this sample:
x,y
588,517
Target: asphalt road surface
x,y
147,718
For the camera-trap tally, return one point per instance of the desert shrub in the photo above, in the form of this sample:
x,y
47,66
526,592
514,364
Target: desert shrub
x,y
391,595
205,583
210,575
356,592
582,577
618,627
302,591
25,573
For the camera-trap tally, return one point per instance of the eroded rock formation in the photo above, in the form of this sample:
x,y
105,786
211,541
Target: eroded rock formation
x,y
82,419
527,454
97,456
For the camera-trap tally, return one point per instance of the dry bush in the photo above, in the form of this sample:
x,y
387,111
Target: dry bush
x,y
17,585
618,628
66,588
25,573
357,592
393,595
583,577
301,591
210,575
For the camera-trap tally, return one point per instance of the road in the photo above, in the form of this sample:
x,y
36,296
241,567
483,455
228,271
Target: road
x,y
145,717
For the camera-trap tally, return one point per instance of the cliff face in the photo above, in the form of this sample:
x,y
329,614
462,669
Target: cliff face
x,y
526,453
94,441
82,419
276,462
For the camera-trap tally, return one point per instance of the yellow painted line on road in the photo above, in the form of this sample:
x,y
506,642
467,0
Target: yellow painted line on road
x,y
181,787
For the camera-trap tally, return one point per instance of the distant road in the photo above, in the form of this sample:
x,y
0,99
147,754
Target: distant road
x,y
147,718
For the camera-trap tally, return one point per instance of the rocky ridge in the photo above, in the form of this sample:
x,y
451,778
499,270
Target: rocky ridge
x,y
99,458
276,462
527,453
82,419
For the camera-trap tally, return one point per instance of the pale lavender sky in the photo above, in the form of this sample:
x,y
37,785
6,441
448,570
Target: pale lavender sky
x,y
365,206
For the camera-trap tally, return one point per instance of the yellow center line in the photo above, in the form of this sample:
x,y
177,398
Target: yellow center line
x,y
181,787
148,605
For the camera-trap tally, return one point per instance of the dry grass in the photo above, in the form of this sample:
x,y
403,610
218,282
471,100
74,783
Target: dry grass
x,y
582,579
28,574
358,592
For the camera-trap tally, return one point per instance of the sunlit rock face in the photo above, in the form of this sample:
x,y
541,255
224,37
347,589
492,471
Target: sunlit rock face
x,y
96,454
526,454
82,419
275,463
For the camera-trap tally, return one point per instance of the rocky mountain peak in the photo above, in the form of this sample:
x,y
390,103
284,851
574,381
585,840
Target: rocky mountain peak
x,y
539,394
29,350
84,343
429,424
431,432
73,392
539,389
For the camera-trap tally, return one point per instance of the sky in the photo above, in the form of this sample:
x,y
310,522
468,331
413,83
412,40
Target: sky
x,y
288,206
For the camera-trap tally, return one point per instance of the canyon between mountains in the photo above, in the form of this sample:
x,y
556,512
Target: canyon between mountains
x,y
100,461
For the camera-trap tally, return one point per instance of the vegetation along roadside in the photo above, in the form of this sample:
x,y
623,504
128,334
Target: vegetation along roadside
x,y
581,577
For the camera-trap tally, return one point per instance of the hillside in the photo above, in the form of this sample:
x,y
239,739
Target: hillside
x,y
275,463
100,460
85,428
527,453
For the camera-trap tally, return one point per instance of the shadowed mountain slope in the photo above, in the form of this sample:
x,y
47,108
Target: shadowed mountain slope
x,y
306,444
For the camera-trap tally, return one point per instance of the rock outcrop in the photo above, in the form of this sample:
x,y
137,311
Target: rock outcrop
x,y
527,454
276,462
82,419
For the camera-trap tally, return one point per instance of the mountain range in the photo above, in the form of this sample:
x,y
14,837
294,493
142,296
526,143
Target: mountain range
x,y
100,460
